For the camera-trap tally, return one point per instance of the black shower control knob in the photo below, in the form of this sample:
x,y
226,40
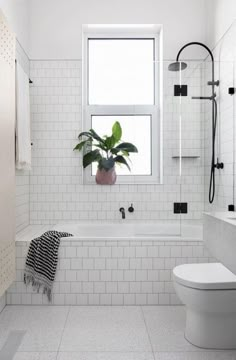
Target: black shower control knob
x,y
219,165
131,208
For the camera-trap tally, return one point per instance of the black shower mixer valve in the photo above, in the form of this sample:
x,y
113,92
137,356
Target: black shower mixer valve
x,y
219,165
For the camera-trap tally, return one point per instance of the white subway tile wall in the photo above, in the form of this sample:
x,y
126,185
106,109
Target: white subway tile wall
x,y
57,192
94,273
225,56
22,200
225,140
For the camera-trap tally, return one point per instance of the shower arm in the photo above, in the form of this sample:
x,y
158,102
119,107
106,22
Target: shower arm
x,y
195,43
213,82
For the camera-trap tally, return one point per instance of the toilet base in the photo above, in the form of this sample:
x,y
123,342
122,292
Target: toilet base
x,y
210,317
211,330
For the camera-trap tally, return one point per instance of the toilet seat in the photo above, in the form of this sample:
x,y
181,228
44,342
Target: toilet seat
x,y
209,276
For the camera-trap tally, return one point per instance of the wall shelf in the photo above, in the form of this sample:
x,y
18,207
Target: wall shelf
x,y
186,154
186,157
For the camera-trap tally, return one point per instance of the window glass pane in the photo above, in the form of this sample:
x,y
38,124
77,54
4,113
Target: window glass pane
x,y
135,129
121,71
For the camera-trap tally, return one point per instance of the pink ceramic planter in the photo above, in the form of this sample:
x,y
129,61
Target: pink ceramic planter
x,y
104,177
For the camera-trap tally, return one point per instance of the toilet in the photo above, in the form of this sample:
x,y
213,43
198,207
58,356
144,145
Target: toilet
x,y
209,293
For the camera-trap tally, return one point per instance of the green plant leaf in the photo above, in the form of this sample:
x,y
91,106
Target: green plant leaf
x,y
125,153
81,145
115,151
120,159
96,136
110,142
100,146
106,164
128,147
90,157
85,133
117,131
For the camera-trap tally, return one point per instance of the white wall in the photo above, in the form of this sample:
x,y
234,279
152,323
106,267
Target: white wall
x,y
221,34
221,14
55,26
17,15
57,191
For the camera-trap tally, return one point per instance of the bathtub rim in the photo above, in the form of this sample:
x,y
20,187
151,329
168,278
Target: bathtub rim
x,y
33,231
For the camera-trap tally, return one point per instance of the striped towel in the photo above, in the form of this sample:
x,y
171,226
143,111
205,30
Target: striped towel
x,y
41,261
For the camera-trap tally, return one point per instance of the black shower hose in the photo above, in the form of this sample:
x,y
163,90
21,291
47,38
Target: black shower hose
x,y
212,176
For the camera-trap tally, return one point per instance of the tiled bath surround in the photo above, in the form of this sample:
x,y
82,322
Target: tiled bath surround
x,y
57,192
111,272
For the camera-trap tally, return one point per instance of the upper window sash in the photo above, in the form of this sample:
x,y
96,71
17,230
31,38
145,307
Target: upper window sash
x,y
122,35
121,71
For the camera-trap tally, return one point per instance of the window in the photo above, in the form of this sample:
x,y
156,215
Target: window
x,y
121,71
141,162
122,83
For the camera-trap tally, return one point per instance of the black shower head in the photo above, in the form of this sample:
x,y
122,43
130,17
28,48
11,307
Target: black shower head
x,y
177,66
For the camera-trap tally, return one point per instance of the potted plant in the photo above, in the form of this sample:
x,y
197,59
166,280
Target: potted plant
x,y
109,151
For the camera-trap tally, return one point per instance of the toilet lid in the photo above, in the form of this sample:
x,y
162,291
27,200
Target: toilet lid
x,y
212,276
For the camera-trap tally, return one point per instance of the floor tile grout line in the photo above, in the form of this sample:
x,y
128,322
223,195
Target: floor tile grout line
x,y
149,338
143,309
67,316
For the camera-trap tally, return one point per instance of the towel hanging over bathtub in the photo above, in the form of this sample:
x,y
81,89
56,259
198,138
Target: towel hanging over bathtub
x,y
23,139
41,261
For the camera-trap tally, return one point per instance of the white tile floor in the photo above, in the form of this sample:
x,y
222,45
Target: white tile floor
x,y
102,333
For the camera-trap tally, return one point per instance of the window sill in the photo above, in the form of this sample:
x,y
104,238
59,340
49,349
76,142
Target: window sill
x,y
125,180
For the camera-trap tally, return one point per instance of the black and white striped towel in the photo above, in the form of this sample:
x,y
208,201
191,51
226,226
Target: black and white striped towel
x,y
41,261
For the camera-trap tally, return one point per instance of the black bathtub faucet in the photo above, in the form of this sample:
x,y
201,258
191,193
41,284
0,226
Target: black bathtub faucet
x,y
122,210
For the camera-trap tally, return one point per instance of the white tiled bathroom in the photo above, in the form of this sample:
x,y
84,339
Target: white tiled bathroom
x,y
122,248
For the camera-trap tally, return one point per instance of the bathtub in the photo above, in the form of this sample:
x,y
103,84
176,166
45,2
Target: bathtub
x,y
112,264
140,232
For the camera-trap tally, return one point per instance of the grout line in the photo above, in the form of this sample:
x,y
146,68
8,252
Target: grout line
x,y
58,350
147,332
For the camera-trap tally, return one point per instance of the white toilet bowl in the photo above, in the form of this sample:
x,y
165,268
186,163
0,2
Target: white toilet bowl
x,y
209,293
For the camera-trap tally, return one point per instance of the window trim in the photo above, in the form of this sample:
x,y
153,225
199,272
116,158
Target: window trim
x,y
154,110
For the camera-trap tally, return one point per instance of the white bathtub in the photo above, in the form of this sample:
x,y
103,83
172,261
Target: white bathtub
x,y
87,231
112,264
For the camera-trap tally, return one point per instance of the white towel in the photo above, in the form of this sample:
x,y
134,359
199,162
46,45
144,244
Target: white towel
x,y
23,141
